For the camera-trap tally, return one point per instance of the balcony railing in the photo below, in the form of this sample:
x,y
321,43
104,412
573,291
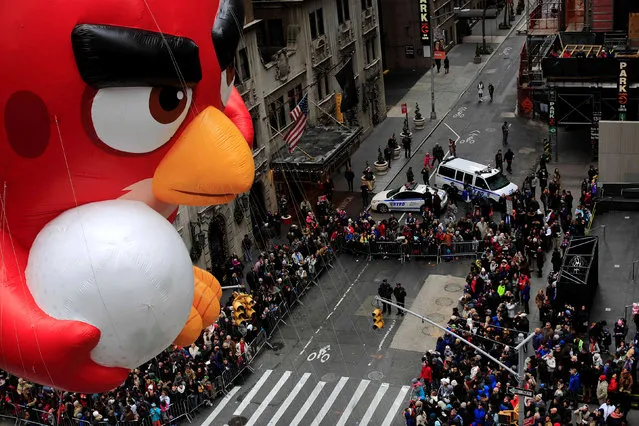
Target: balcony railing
x,y
320,50
247,90
373,70
369,21
260,159
346,34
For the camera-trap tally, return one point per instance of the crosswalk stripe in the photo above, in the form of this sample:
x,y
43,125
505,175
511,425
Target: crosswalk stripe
x,y
220,406
374,403
247,399
289,399
311,399
393,410
353,402
269,398
330,401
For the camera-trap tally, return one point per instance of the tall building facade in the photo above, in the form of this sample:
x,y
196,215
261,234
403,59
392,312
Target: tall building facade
x,y
401,27
289,48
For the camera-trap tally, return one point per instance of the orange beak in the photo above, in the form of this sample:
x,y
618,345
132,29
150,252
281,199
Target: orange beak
x,y
209,164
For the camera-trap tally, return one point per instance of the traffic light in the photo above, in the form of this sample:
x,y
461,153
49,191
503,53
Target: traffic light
x,y
242,308
378,321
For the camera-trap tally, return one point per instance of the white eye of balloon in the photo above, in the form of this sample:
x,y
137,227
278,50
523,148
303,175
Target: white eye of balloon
x,y
226,83
138,120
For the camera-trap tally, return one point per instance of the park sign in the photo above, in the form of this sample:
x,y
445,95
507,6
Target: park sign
x,y
622,89
424,21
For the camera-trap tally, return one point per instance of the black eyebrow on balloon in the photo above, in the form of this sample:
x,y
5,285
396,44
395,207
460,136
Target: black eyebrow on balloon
x,y
111,56
227,31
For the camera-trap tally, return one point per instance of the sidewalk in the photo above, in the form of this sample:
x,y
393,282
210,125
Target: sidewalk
x,y
448,90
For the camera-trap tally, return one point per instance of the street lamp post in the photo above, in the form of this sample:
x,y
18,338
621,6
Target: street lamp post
x,y
520,348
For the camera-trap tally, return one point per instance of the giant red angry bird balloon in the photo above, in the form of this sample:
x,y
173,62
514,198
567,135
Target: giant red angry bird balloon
x,y
113,113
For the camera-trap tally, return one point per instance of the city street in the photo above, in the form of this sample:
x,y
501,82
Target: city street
x,y
328,366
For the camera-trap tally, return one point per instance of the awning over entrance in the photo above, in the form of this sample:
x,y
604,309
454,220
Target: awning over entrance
x,y
320,151
476,13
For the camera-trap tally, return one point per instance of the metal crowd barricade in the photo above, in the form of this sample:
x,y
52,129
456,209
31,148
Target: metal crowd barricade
x,y
181,409
388,249
423,250
456,250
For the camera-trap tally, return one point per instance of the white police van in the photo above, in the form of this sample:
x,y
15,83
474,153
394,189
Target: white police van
x,y
482,180
408,198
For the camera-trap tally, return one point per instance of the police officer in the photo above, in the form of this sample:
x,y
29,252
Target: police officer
x,y
385,291
400,297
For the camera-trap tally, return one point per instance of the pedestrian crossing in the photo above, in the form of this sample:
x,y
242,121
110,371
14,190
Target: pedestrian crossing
x,y
289,398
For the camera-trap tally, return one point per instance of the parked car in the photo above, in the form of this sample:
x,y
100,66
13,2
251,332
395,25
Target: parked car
x,y
407,198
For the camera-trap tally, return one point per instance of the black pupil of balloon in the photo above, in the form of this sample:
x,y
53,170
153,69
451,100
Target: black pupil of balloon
x,y
169,98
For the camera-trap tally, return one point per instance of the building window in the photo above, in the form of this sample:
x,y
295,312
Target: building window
x,y
317,23
371,50
343,12
256,141
270,38
323,87
294,96
276,114
367,4
243,70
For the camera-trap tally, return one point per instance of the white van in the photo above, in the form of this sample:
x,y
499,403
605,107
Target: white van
x,y
483,180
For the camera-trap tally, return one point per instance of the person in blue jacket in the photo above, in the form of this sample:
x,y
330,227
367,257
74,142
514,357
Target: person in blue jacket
x,y
480,415
574,385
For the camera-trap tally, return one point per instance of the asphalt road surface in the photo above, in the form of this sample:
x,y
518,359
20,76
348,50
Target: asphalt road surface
x,y
328,366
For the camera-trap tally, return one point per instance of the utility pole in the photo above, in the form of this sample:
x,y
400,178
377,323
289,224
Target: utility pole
x,y
521,366
520,348
433,114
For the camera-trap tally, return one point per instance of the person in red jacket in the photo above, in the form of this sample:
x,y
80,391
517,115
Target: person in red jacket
x,y
427,373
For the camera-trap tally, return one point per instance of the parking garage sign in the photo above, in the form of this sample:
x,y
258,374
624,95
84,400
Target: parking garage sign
x,y
424,21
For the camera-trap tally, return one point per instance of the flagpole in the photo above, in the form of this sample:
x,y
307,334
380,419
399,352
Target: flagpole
x,y
310,157
333,118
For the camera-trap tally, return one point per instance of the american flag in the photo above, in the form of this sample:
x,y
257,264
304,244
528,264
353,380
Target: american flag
x,y
299,116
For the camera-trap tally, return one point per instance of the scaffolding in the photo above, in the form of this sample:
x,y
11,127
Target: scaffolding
x,y
545,17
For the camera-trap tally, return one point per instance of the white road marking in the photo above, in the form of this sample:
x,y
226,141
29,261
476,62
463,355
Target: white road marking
x,y
220,406
393,410
379,348
289,399
451,129
256,415
247,399
374,404
311,399
329,402
353,402
306,345
339,302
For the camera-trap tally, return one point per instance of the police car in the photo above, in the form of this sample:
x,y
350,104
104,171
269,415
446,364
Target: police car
x,y
408,198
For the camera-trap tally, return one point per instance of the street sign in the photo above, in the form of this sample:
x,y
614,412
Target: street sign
x,y
522,392
404,108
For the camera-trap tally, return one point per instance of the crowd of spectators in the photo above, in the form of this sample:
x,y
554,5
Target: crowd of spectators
x,y
180,380
568,365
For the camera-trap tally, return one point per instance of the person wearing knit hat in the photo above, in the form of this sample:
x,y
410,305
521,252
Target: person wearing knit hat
x,y
602,389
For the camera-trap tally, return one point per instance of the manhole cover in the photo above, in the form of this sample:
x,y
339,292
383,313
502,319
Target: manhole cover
x,y
452,288
444,301
237,421
376,375
330,377
429,330
436,317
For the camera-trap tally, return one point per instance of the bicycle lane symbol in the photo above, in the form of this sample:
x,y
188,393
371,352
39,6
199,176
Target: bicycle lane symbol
x,y
323,355
470,139
460,112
